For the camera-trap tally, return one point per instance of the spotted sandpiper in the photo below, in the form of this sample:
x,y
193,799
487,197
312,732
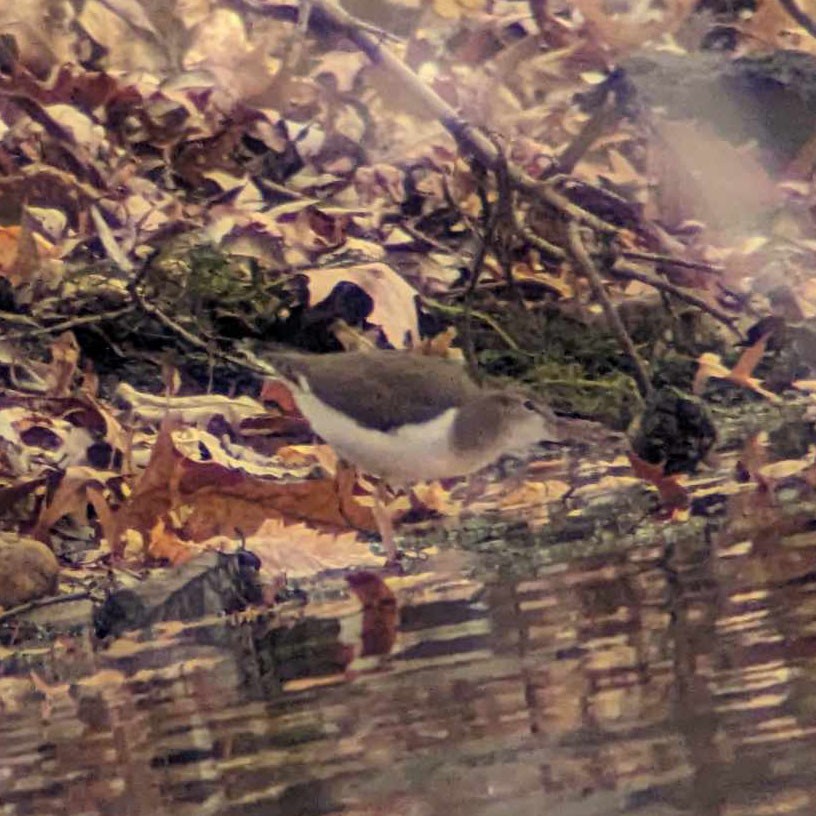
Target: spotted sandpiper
x,y
407,417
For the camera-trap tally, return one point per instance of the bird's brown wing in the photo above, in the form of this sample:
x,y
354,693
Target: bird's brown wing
x,y
380,389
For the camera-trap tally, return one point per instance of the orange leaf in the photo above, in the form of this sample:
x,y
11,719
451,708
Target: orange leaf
x,y
164,544
709,365
63,366
749,359
276,391
9,239
69,499
673,496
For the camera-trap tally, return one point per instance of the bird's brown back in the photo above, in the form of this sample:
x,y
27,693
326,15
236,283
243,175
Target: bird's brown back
x,y
380,389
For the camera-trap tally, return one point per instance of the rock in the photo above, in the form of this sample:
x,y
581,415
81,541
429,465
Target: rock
x,y
28,570
768,98
213,583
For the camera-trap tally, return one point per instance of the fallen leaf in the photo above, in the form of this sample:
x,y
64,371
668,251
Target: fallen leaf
x,y
394,300
710,365
64,361
673,496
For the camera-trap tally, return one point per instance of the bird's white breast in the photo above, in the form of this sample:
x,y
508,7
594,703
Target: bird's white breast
x,y
410,454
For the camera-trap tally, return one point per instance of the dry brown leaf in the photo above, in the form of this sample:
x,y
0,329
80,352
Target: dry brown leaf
x,y
709,365
522,273
771,25
89,385
783,469
749,359
623,173
454,9
533,494
63,366
301,551
376,180
343,67
124,33
151,497
275,390
394,307
441,345
196,410
9,248
673,495
640,22
70,498
433,496
216,498
164,545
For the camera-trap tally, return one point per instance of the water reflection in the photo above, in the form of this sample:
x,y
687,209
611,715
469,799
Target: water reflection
x,y
675,676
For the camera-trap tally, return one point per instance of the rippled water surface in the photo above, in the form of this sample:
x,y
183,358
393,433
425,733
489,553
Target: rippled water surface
x,y
673,675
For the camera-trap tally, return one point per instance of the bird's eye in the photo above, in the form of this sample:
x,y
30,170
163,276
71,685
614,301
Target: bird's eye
x,y
529,405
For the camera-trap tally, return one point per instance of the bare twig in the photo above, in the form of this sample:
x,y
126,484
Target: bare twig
x,y
71,323
167,322
505,229
494,217
621,269
11,317
553,251
469,137
190,338
15,611
603,117
561,202
492,285
586,265
670,261
801,17
485,318
432,242
491,221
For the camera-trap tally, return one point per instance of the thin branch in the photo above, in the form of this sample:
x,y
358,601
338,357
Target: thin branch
x,y
670,261
485,318
551,250
587,267
606,115
801,17
562,203
15,611
187,336
490,219
71,323
621,269
12,317
493,285
469,137
432,242
168,323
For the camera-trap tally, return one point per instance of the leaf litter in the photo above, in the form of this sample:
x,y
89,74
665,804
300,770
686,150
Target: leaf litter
x,y
328,207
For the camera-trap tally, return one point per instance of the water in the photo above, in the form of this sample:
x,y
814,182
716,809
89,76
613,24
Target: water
x,y
672,674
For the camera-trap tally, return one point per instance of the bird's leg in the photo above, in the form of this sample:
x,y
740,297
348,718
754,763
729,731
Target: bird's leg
x,y
474,487
385,523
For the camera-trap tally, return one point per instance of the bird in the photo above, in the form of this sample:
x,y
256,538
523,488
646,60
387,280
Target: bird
x,y
406,418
